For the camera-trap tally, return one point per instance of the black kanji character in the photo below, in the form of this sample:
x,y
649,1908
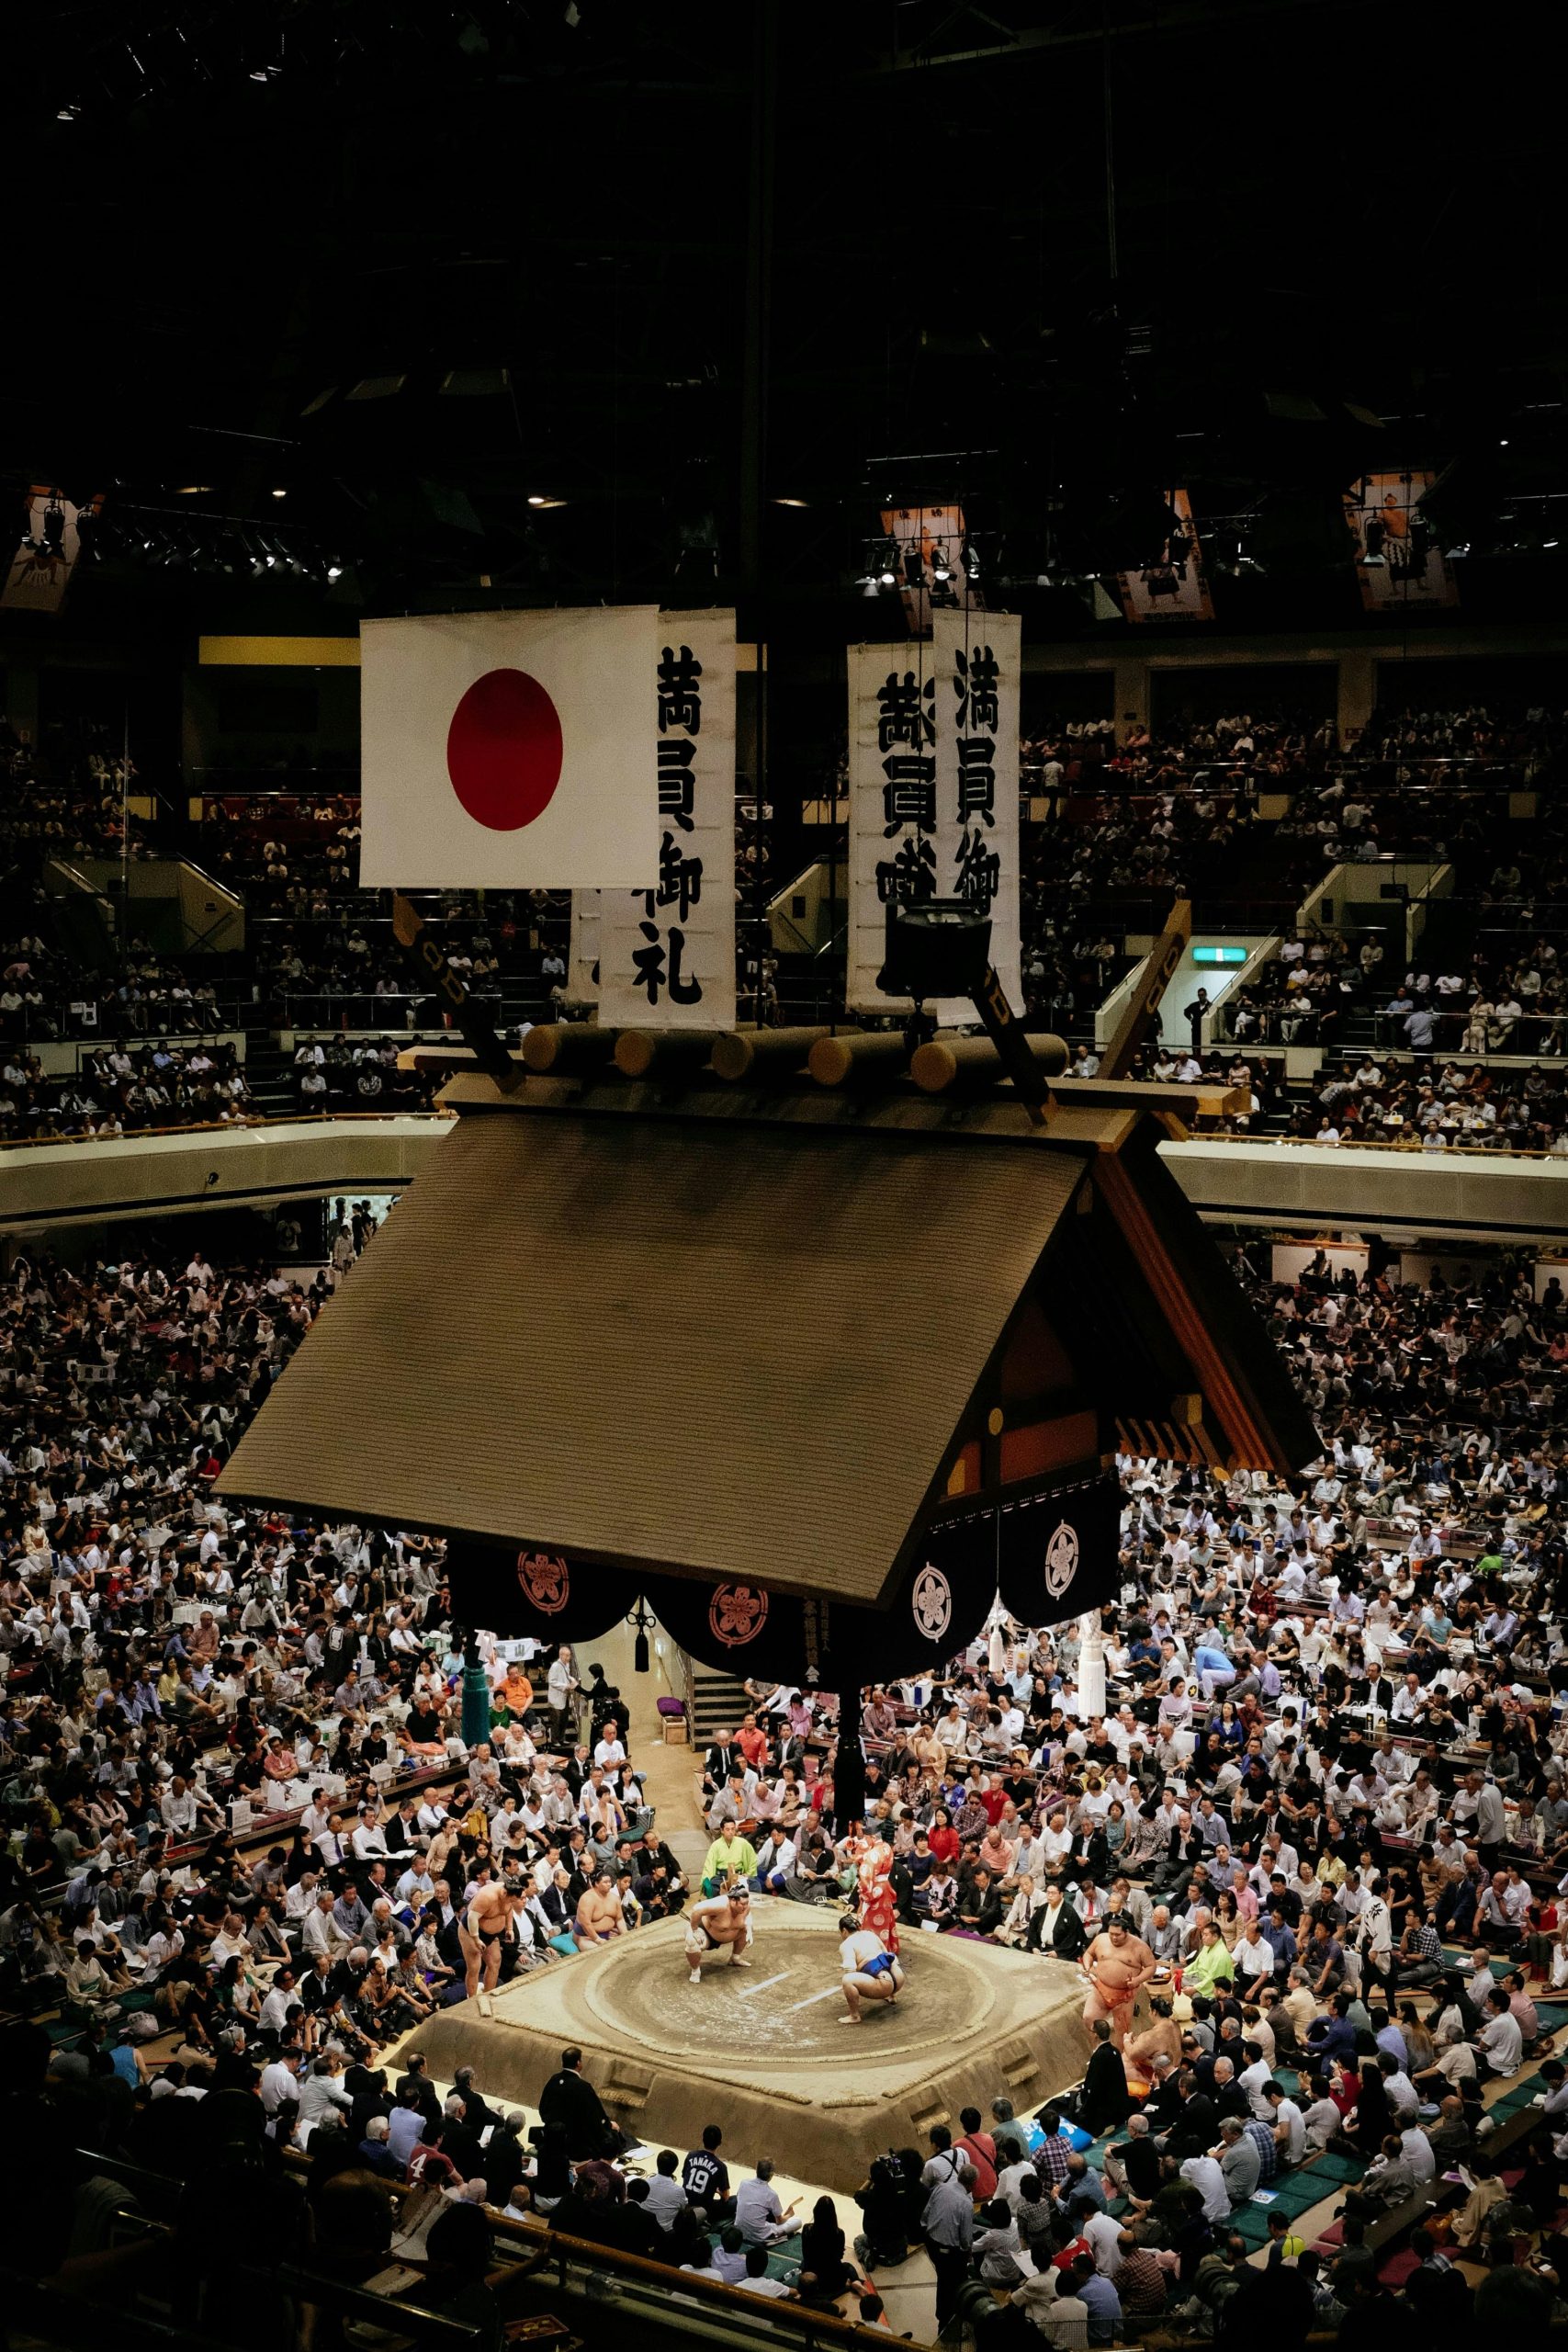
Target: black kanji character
x,y
975,686
648,963
680,696
910,872
680,878
979,871
906,713
677,786
977,779
908,796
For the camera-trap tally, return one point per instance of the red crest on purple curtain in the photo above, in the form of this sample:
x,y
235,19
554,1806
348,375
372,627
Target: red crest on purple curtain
x,y
738,1613
545,1581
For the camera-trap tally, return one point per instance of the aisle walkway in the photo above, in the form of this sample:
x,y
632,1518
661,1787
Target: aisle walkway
x,y
669,1782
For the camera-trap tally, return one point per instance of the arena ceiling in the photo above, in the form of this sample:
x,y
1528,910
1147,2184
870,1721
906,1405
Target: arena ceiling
x,y
715,281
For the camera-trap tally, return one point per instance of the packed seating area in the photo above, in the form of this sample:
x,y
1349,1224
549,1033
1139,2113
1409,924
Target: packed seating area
x,y
119,1090
1131,819
1318,1830
67,799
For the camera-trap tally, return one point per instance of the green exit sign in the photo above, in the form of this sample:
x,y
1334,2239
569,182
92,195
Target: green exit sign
x,y
1220,954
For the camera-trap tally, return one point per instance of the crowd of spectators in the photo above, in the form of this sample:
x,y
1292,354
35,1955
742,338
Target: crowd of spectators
x,y
1142,820
68,800
121,1090
341,1073
45,995
1324,1797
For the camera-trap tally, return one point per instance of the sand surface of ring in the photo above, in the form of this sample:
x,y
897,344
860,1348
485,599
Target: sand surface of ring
x,y
761,2050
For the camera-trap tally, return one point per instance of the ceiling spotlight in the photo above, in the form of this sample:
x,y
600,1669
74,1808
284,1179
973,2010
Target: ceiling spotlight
x,y
335,572
888,578
791,502
68,114
280,493
536,499
942,569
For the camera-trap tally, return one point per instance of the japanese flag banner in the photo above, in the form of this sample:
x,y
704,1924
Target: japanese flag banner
x,y
509,751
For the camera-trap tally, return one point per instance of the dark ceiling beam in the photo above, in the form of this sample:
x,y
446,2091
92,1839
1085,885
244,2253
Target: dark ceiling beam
x,y
1199,16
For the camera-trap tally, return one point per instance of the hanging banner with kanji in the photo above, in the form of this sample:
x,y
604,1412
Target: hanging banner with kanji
x,y
583,955
893,828
977,657
667,954
933,791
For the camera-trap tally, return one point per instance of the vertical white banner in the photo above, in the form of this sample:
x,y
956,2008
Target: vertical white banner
x,y
933,792
583,955
978,659
667,954
892,841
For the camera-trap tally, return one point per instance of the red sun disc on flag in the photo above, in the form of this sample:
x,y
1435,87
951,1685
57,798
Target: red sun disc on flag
x,y
503,750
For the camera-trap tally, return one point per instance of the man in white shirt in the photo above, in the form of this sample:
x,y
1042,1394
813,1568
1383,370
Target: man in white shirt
x,y
279,2087
1254,2080
1203,2174
1501,2041
759,2216
279,2001
665,2198
369,1839
1289,2123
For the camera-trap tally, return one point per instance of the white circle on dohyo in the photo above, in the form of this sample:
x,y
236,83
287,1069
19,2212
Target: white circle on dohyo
x,y
1061,1560
933,1603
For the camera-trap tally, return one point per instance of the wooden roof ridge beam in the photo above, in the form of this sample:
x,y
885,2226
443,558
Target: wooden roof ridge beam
x,y
568,1046
860,1057
666,1053
765,1054
960,1064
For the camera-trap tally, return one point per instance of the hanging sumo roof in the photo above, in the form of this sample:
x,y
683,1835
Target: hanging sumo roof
x,y
765,1335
